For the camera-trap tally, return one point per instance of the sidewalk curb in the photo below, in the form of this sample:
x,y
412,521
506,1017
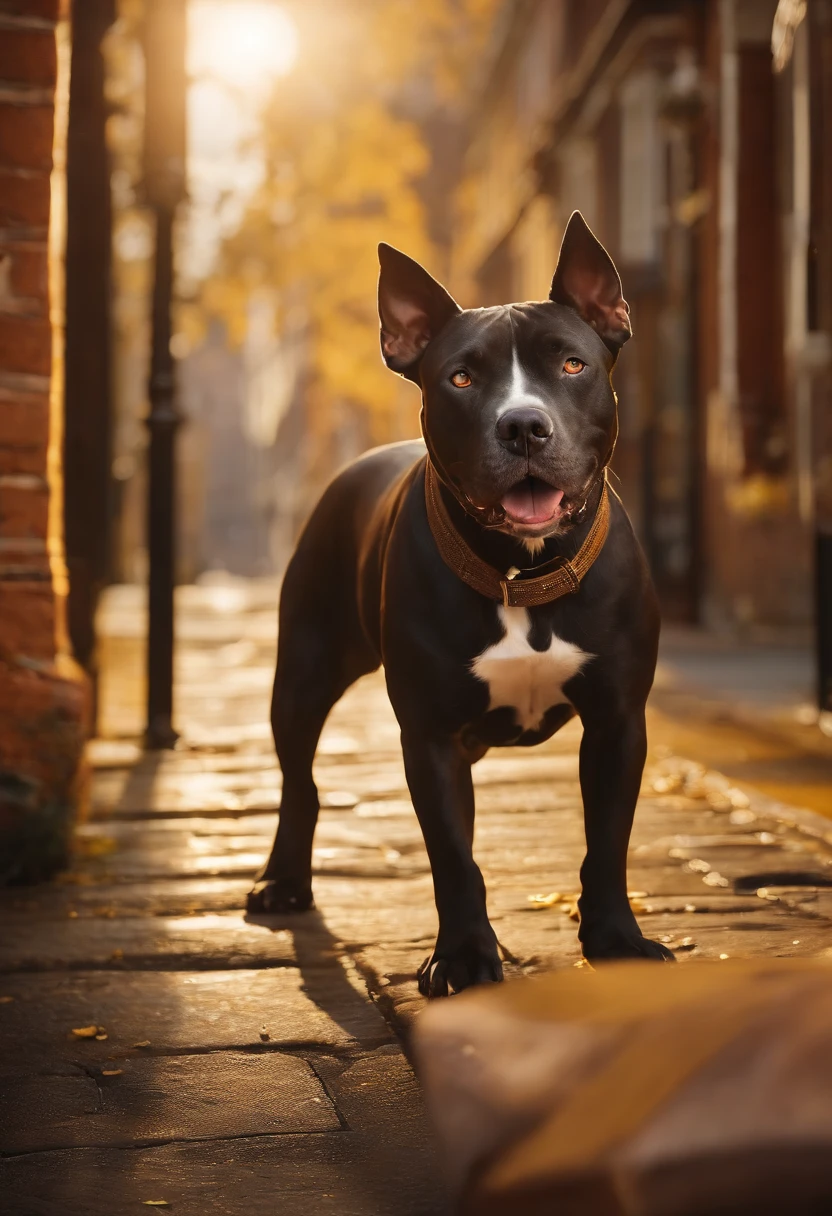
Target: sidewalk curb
x,y
811,823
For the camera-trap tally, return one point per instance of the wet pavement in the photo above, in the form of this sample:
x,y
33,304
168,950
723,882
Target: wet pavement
x,y
160,1047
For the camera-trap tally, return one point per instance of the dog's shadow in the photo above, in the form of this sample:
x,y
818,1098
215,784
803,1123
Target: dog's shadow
x,y
324,978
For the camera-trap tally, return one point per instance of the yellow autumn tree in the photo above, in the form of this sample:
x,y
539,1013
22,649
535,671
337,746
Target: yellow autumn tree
x,y
347,157
312,235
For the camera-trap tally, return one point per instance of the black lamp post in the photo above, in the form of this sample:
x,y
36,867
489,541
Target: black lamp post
x,y
164,184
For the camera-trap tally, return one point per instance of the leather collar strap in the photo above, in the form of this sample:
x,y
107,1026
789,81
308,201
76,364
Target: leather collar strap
x,y
515,590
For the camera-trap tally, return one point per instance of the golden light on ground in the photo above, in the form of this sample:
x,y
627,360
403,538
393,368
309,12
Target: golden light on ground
x,y
244,44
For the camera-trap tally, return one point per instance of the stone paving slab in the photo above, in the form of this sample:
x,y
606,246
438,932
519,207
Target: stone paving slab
x,y
253,832
178,1011
238,832
159,897
207,941
193,792
379,1162
177,848
155,1100
343,1173
380,859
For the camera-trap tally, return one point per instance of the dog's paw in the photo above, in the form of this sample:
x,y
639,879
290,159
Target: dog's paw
x,y
276,896
614,942
448,971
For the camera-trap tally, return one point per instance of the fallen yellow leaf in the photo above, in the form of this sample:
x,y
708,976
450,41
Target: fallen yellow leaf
x,y
111,1072
144,1043
569,903
548,901
99,1038
155,1203
85,1032
96,846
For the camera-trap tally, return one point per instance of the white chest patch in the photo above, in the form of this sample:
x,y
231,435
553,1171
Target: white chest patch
x,y
530,681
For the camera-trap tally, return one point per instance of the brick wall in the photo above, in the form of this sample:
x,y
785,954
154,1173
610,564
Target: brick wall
x,y
42,696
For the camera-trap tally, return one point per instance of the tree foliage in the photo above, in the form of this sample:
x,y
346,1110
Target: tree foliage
x,y
347,161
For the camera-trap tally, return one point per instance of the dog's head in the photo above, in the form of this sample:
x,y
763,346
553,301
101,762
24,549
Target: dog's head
x,y
518,411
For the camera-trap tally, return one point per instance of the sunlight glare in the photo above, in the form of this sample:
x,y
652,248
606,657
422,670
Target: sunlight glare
x,y
244,43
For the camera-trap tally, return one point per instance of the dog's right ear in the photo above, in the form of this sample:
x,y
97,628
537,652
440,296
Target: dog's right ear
x,y
412,308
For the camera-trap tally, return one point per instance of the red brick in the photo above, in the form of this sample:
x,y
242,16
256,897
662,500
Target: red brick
x,y
28,273
35,703
17,565
26,136
24,201
25,345
44,719
28,56
27,620
24,434
42,10
24,511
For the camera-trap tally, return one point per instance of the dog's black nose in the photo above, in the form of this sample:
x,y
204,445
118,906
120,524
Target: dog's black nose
x,y
522,429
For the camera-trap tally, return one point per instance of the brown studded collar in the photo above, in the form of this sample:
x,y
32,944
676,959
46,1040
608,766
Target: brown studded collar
x,y
516,588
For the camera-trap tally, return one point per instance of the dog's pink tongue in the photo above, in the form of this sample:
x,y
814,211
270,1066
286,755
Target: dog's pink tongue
x,y
531,502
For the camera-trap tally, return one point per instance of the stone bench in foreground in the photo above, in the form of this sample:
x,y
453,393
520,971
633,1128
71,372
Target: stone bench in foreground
x,y
637,1090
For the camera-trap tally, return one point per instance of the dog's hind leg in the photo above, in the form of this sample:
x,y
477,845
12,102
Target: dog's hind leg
x,y
321,652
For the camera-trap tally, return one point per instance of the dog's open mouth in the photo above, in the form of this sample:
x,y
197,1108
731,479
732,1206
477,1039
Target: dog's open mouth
x,y
532,502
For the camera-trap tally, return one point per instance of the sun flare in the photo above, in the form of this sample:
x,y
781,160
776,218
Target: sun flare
x,y
242,43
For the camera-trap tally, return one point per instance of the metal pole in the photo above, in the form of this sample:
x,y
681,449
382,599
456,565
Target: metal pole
x,y
164,189
163,422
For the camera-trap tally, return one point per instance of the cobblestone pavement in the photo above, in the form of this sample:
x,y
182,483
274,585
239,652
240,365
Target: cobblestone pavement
x,y
230,1067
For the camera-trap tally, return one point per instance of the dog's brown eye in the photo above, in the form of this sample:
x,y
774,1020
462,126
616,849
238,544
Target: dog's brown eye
x,y
573,366
461,379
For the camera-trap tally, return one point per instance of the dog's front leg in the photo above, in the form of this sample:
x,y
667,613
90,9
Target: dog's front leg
x,y
613,751
439,778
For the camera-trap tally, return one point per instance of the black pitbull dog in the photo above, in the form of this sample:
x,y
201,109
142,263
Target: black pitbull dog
x,y
498,580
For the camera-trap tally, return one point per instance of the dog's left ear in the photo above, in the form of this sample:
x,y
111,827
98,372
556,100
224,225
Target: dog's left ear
x,y
412,308
587,282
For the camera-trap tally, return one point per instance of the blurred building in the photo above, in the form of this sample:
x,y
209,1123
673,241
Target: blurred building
x,y
703,161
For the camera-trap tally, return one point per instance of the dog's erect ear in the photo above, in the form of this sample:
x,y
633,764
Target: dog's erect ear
x,y
412,308
586,280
